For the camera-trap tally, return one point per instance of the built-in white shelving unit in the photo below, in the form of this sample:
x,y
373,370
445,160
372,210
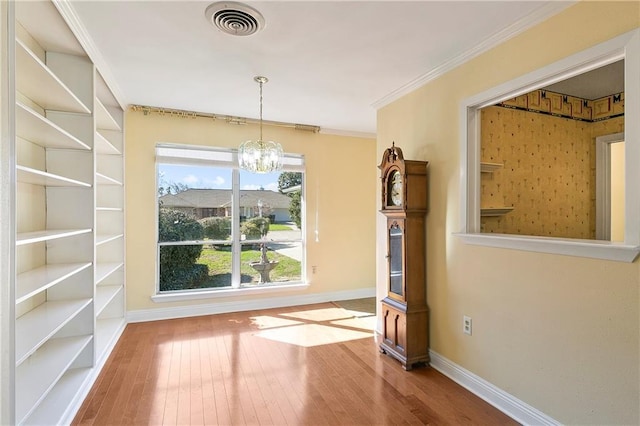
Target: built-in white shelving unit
x,y
34,126
38,177
69,263
39,279
39,83
109,148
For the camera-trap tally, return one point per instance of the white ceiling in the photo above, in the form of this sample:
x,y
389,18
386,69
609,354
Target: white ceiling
x,y
329,63
595,84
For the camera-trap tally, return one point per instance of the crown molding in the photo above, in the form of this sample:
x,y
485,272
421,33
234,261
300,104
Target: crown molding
x,y
539,15
65,8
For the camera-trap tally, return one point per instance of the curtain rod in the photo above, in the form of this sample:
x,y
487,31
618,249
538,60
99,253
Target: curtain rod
x,y
146,110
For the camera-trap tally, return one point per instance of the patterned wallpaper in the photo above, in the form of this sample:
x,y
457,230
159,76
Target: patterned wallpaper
x,y
548,172
559,105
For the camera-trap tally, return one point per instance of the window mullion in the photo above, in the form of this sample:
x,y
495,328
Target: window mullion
x,y
236,248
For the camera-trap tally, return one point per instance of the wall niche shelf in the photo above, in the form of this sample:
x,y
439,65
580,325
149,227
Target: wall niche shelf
x,y
495,211
489,167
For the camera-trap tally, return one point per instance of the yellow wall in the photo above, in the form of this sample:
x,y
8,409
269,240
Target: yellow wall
x,y
340,183
560,333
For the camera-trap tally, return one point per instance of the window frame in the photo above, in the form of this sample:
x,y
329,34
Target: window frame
x,y
625,46
291,162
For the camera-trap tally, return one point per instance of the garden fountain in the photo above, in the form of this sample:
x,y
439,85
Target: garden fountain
x,y
264,266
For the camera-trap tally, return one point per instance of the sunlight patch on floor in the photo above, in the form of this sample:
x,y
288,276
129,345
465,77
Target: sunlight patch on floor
x,y
326,314
268,321
308,335
357,313
367,323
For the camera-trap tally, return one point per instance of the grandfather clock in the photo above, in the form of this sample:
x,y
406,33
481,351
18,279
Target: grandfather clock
x,y
404,309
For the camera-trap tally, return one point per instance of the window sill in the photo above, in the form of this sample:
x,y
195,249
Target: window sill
x,y
227,292
594,249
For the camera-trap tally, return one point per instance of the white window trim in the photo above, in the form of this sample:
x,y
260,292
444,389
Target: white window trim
x,y
222,292
292,163
603,184
625,46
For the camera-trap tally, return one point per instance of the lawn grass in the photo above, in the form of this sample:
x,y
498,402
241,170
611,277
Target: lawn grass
x,y
218,260
279,227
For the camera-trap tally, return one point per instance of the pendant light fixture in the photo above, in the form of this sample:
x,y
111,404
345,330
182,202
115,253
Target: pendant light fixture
x,y
260,156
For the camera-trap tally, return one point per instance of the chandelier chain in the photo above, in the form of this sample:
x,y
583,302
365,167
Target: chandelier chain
x,y
261,82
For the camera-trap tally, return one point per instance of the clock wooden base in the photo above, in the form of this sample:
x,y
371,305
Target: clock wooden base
x,y
408,348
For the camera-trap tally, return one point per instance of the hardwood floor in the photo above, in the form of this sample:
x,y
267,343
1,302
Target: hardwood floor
x,y
311,365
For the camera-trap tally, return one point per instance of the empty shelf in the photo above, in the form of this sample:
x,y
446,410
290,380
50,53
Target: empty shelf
x,y
36,280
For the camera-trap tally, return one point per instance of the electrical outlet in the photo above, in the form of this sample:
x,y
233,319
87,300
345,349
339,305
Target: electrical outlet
x,y
314,269
466,325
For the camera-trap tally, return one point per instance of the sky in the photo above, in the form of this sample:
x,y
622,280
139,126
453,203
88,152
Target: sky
x,y
215,177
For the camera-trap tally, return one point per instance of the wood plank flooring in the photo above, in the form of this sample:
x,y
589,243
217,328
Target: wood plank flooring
x,y
310,365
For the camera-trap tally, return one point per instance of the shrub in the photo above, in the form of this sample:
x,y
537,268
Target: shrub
x,y
183,278
175,225
216,228
255,228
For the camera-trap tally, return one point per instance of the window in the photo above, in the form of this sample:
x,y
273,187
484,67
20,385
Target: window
x,y
625,47
224,228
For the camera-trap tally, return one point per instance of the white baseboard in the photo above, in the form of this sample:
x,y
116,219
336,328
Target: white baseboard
x,y
248,305
508,404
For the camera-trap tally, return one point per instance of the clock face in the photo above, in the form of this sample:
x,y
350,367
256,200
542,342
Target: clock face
x,y
395,188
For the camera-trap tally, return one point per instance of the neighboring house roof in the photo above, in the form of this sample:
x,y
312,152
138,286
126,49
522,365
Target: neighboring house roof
x,y
210,198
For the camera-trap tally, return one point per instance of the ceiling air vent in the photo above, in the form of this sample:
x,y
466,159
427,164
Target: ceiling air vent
x,y
234,18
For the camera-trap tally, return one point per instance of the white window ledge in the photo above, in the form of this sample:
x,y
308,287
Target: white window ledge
x,y
595,249
215,293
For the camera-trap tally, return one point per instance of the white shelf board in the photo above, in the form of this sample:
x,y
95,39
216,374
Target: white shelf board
x,y
104,295
24,238
38,177
103,146
104,119
103,179
34,328
40,130
495,211
36,280
489,167
56,404
37,82
107,330
103,239
103,270
36,377
109,209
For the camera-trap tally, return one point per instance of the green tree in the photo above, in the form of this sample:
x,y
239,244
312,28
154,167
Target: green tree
x,y
288,180
295,208
167,187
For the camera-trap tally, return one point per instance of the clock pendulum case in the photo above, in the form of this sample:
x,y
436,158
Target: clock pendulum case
x,y
404,309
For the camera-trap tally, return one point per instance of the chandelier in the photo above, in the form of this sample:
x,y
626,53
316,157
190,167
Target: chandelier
x,y
260,156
